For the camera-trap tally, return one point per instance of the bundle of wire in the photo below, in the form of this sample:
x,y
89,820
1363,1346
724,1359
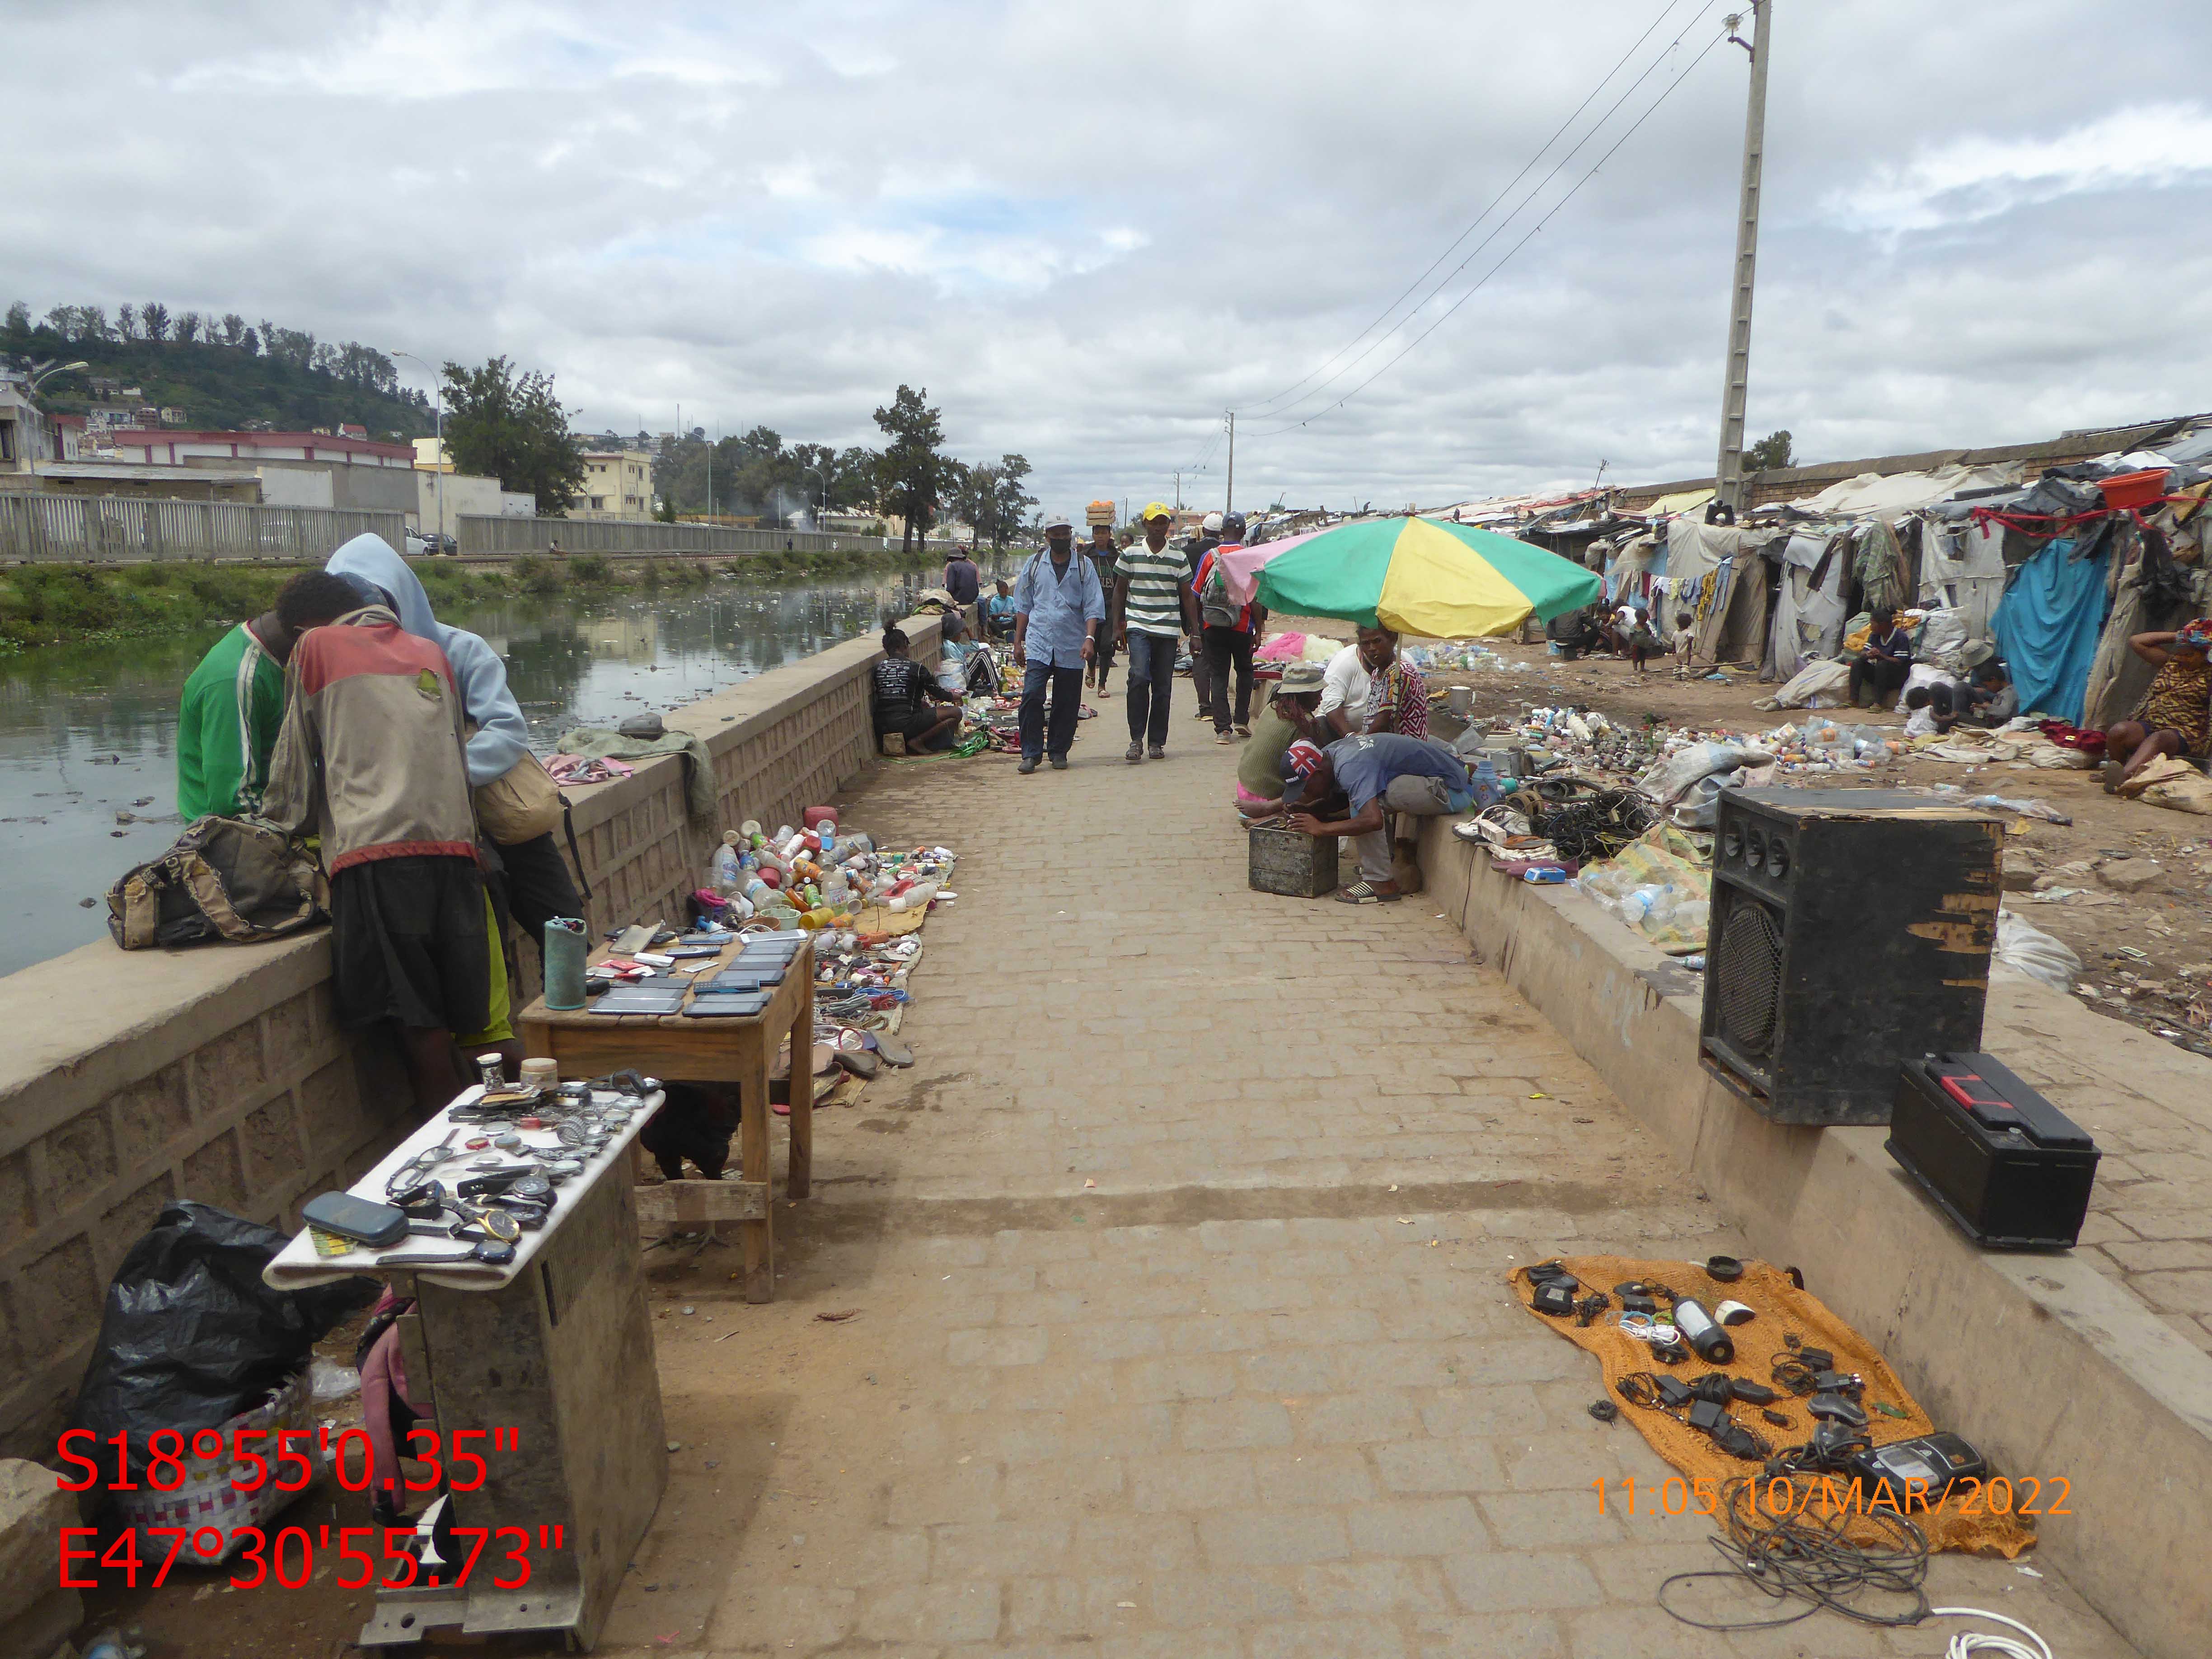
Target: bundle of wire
x,y
1586,821
1798,1552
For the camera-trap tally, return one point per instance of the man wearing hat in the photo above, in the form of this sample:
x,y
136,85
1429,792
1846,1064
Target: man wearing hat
x,y
1058,606
1280,750
1153,612
1231,632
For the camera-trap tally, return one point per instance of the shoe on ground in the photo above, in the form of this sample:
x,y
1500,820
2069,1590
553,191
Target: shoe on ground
x,y
1225,737
1028,765
1243,731
1133,753
1203,714
1060,762
1160,751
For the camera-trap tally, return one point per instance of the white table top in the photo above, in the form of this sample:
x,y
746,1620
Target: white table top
x,y
298,1264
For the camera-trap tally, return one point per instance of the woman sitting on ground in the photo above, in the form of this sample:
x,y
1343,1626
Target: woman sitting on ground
x,y
909,701
2174,714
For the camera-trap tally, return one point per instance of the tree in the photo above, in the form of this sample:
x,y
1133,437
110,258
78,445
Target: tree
x,y
512,427
126,322
233,327
154,318
250,343
913,470
188,327
19,321
1772,451
62,320
1011,503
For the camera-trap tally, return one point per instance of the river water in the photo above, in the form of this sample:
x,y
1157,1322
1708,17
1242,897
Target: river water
x,y
87,733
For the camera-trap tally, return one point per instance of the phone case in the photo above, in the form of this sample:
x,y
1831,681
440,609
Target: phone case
x,y
737,1005
361,1219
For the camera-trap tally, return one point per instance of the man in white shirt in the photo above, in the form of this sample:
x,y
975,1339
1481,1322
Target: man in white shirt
x,y
1346,681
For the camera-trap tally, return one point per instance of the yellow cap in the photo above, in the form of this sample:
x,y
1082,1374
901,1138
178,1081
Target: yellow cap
x,y
1157,510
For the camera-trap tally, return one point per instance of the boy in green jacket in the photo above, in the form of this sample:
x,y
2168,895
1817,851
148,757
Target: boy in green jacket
x,y
234,705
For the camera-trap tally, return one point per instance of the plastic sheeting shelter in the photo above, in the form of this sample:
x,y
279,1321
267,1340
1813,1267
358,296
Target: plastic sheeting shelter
x,y
2048,624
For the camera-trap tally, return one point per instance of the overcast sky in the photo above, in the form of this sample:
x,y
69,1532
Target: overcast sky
x,y
1088,228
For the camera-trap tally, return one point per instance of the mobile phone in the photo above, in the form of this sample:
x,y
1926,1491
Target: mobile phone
x,y
360,1219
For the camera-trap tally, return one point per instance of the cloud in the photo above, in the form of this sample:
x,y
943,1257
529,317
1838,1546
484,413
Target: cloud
x,y
1978,176
1088,230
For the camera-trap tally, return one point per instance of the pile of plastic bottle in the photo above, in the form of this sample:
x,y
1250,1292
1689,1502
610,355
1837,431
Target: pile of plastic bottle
x,y
1437,656
1822,745
821,876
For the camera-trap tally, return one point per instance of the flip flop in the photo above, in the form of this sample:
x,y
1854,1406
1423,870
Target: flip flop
x,y
1361,893
893,1051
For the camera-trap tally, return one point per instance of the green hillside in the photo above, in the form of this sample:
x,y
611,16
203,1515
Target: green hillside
x,y
300,384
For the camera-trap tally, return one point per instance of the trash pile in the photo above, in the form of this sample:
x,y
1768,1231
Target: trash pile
x,y
1440,656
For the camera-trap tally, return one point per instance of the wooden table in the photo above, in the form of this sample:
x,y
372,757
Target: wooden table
x,y
683,1048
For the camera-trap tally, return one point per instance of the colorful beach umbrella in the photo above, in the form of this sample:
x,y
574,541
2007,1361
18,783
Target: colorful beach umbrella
x,y
1445,581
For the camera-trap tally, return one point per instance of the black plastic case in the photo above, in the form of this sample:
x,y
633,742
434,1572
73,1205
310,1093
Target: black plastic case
x,y
2012,1169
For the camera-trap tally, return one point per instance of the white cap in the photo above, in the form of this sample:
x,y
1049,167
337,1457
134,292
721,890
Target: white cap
x,y
1213,522
1059,521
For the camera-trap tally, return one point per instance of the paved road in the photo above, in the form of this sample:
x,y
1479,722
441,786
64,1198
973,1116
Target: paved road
x,y
1177,1261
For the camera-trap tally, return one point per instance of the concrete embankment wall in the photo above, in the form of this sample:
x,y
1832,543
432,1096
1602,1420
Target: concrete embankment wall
x,y
2054,1371
220,1073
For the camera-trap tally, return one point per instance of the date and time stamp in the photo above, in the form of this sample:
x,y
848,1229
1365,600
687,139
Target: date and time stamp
x,y
1825,1496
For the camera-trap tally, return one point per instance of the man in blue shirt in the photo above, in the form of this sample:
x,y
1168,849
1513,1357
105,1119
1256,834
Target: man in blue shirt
x,y
998,612
1058,605
1382,774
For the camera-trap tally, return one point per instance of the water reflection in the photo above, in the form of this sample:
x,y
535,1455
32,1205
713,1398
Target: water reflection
x,y
87,733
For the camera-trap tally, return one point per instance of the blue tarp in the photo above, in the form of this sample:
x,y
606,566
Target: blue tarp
x,y
2047,628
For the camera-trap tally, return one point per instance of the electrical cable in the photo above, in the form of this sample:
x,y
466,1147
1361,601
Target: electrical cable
x,y
1539,189
1482,281
1968,1642
1792,1554
1664,11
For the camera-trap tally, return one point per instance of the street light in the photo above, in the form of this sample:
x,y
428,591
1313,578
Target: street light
x,y
437,477
39,377
817,471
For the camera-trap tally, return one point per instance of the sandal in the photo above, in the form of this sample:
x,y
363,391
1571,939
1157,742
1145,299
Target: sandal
x,y
1361,892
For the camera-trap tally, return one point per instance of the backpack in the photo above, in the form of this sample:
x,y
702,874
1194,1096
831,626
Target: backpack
x,y
1216,608
237,880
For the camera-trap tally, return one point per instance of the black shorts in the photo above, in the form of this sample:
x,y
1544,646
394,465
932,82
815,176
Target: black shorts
x,y
409,942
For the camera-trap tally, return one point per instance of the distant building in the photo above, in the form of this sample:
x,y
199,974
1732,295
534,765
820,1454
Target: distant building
x,y
617,484
170,483
173,416
23,436
296,469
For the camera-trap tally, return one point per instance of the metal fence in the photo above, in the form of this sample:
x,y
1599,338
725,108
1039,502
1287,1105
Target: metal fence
x,y
130,530
484,536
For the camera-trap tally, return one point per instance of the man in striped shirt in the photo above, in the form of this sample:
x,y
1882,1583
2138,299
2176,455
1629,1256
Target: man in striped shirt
x,y
1153,613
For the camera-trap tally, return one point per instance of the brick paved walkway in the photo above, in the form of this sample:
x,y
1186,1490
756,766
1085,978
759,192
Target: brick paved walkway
x,y
1177,1259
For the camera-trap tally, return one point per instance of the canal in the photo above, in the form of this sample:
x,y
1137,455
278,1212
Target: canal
x,y
87,733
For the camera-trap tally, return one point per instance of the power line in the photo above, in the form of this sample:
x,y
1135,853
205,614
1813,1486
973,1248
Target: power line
x,y
1508,253
1664,11
1498,228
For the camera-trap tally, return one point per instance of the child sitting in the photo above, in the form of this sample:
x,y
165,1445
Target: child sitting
x,y
1933,711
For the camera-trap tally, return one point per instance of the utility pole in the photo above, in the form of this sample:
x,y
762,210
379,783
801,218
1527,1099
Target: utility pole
x,y
1178,479
1229,495
1728,473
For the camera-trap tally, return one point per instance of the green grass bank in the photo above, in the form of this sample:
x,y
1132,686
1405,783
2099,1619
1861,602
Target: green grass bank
x,y
76,604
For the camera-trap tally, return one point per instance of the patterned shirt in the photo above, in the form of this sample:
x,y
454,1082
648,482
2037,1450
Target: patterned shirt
x,y
1401,685
2180,699
1155,579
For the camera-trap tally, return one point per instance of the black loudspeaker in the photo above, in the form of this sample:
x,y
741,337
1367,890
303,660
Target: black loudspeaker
x,y
1850,930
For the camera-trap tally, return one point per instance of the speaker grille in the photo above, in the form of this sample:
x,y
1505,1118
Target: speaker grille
x,y
1746,972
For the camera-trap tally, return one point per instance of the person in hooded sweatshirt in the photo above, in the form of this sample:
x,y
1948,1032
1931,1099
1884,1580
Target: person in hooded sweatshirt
x,y
530,877
369,758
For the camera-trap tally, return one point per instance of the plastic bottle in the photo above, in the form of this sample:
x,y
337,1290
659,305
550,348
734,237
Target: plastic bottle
x,y
725,876
917,897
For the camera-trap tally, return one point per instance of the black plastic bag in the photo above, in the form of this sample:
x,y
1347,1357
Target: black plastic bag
x,y
189,1334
